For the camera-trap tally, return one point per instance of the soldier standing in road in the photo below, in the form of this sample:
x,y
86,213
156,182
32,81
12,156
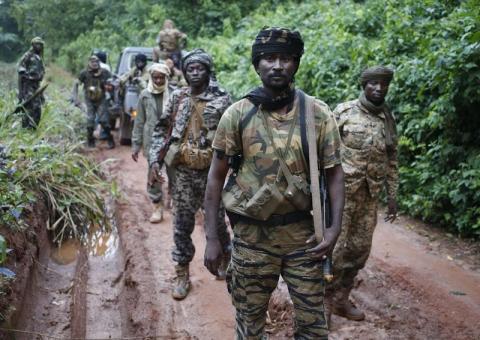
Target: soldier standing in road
x,y
195,111
94,79
261,137
369,157
151,104
30,74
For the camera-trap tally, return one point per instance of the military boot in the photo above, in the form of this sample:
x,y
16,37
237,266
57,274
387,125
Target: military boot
x,y
157,214
342,306
182,282
90,138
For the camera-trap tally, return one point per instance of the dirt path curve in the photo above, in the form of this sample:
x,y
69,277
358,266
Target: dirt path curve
x,y
418,283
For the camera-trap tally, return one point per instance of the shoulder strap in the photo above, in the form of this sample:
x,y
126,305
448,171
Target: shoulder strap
x,y
314,173
303,128
246,119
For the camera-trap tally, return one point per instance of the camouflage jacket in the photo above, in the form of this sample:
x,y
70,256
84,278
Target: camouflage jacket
x,y
137,77
31,71
149,109
94,84
179,105
260,163
365,156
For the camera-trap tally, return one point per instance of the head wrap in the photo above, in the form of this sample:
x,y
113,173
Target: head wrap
x,y
198,55
141,57
376,73
37,40
276,40
154,89
102,55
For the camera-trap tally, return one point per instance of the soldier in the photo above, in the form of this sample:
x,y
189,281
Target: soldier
x,y
30,74
170,43
195,111
261,137
138,74
369,156
94,79
176,76
151,104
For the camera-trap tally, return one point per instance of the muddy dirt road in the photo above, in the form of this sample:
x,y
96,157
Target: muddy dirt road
x,y
418,284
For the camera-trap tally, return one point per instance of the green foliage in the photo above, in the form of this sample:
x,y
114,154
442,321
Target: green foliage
x,y
45,164
434,48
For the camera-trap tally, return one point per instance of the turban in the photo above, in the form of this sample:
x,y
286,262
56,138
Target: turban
x,y
376,73
161,68
197,56
277,40
37,40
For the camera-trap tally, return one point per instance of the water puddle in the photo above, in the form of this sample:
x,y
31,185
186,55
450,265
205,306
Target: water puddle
x,y
98,242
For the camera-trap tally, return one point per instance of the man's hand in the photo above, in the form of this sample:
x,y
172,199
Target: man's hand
x,y
321,251
155,174
392,211
135,156
213,255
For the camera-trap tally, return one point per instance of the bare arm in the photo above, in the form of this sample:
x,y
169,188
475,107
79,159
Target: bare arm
x,y
336,193
216,178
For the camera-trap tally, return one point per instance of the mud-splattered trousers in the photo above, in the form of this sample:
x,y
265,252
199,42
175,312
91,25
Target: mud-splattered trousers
x,y
260,255
97,109
187,198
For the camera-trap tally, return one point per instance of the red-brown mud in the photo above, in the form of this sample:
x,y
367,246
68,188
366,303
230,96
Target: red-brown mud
x,y
419,283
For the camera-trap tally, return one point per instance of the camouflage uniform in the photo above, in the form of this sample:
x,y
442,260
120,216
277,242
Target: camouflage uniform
x,y
368,164
262,253
30,74
189,184
170,42
94,91
149,109
137,77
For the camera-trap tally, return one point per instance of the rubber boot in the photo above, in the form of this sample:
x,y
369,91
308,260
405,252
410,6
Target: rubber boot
x,y
110,141
222,269
157,214
90,138
182,282
342,306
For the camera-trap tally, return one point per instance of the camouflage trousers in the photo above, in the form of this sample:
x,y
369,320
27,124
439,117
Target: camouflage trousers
x,y
33,110
97,110
355,241
187,197
259,256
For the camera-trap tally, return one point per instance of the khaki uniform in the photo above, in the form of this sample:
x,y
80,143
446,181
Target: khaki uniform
x,y
368,165
148,111
30,73
262,253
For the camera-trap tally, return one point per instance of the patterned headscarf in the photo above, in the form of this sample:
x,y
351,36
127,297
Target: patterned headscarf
x,y
198,55
376,73
277,40
37,40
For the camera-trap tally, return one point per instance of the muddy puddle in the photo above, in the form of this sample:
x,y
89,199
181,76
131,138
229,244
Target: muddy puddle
x,y
101,241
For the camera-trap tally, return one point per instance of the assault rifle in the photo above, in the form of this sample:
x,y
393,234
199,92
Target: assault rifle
x,y
21,106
